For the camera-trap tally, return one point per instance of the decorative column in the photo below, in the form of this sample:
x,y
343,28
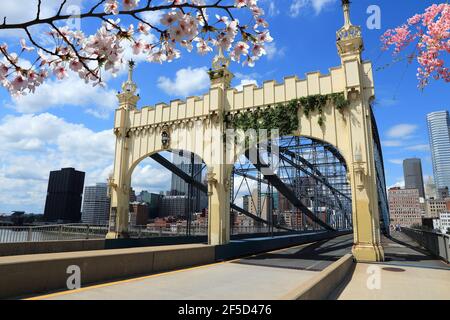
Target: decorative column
x,y
362,172
219,170
119,183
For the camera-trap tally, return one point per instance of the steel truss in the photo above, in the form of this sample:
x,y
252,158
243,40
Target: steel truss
x,y
309,183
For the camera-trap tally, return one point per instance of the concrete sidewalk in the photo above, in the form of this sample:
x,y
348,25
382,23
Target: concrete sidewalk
x,y
408,273
265,276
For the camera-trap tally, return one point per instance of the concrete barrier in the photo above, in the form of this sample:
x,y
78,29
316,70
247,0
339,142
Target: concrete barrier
x,y
34,274
321,286
21,248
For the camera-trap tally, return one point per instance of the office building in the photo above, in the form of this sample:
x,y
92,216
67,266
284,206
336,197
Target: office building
x,y
442,223
439,135
405,208
174,206
246,200
442,193
430,189
138,214
64,193
180,188
265,205
133,197
96,203
433,207
153,202
412,172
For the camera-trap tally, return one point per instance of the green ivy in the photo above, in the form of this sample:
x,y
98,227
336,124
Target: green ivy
x,y
285,117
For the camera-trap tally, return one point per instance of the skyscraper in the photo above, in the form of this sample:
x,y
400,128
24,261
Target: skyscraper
x,y
96,204
63,202
181,188
412,172
439,134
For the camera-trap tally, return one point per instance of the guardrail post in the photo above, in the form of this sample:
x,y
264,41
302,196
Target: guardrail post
x,y
60,232
30,234
87,232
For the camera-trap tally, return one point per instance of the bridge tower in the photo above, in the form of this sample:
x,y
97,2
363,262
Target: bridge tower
x,y
362,171
119,183
219,171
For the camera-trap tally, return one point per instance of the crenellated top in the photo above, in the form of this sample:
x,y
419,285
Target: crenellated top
x,y
340,79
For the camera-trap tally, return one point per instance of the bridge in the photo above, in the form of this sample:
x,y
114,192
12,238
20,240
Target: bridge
x,y
313,141
256,124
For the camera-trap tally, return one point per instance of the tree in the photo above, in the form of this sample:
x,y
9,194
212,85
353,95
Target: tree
x,y
430,32
184,23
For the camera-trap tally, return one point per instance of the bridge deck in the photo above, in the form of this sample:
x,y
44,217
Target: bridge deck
x,y
265,276
409,272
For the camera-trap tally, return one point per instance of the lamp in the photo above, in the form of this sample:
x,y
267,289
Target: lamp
x,y
165,137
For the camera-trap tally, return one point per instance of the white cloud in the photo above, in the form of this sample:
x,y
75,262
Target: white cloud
x,y
153,17
33,145
398,184
72,91
396,161
318,5
273,10
391,143
188,81
419,147
401,131
150,176
274,52
244,82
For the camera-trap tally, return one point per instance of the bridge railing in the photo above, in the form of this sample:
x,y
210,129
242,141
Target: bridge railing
x,y
85,231
436,243
51,232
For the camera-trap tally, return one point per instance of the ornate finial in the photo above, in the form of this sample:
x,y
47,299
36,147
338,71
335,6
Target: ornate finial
x,y
349,39
220,61
219,75
129,86
346,7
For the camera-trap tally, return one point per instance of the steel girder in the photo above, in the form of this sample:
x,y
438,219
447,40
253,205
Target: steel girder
x,y
286,192
333,190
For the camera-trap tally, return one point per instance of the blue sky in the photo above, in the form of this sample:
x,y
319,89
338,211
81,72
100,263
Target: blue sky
x,y
69,124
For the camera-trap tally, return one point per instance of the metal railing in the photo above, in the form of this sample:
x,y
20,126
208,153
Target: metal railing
x,y
85,231
51,232
436,243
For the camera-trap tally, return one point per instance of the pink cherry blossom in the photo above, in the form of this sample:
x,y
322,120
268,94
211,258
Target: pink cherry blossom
x,y
143,28
60,72
241,48
430,31
112,7
130,4
202,47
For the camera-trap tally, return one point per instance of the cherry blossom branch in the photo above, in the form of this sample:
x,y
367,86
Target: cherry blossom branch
x,y
430,32
183,23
